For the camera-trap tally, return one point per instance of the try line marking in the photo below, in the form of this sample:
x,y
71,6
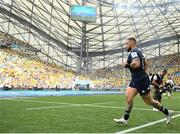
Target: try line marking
x,y
145,125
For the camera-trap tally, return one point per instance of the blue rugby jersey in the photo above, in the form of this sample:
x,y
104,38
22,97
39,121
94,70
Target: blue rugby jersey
x,y
138,73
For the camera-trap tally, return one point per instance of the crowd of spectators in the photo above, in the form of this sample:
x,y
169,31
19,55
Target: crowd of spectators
x,y
19,71
112,77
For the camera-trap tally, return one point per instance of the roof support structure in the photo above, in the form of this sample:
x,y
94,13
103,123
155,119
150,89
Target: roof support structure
x,y
39,31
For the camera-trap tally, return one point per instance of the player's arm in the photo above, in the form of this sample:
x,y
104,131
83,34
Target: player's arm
x,y
135,63
145,65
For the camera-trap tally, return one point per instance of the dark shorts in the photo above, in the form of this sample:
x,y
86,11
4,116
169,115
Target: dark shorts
x,y
142,85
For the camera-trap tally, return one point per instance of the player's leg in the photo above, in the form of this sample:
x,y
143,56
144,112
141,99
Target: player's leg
x,y
150,101
147,98
155,96
130,94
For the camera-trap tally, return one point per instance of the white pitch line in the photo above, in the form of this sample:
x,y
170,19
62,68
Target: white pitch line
x,y
76,104
86,105
141,109
38,108
145,125
90,105
101,103
46,102
50,107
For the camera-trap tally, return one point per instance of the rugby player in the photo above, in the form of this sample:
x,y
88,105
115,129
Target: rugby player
x,y
139,83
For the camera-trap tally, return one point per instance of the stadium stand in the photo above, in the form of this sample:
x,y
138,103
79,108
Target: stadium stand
x,y
19,71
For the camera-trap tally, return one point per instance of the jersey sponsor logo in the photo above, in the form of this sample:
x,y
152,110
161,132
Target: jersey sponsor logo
x,y
134,54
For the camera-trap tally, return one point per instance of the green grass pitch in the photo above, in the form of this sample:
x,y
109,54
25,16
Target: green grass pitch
x,y
82,114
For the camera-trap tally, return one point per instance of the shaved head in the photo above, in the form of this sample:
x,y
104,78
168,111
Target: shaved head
x,y
130,43
132,39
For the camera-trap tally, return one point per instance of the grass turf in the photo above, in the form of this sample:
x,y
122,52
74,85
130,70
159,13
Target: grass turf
x,y
81,114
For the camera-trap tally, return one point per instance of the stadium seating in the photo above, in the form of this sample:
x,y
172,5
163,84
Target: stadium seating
x,y
19,71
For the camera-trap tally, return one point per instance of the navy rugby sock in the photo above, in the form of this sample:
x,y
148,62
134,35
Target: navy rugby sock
x,y
126,115
164,110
